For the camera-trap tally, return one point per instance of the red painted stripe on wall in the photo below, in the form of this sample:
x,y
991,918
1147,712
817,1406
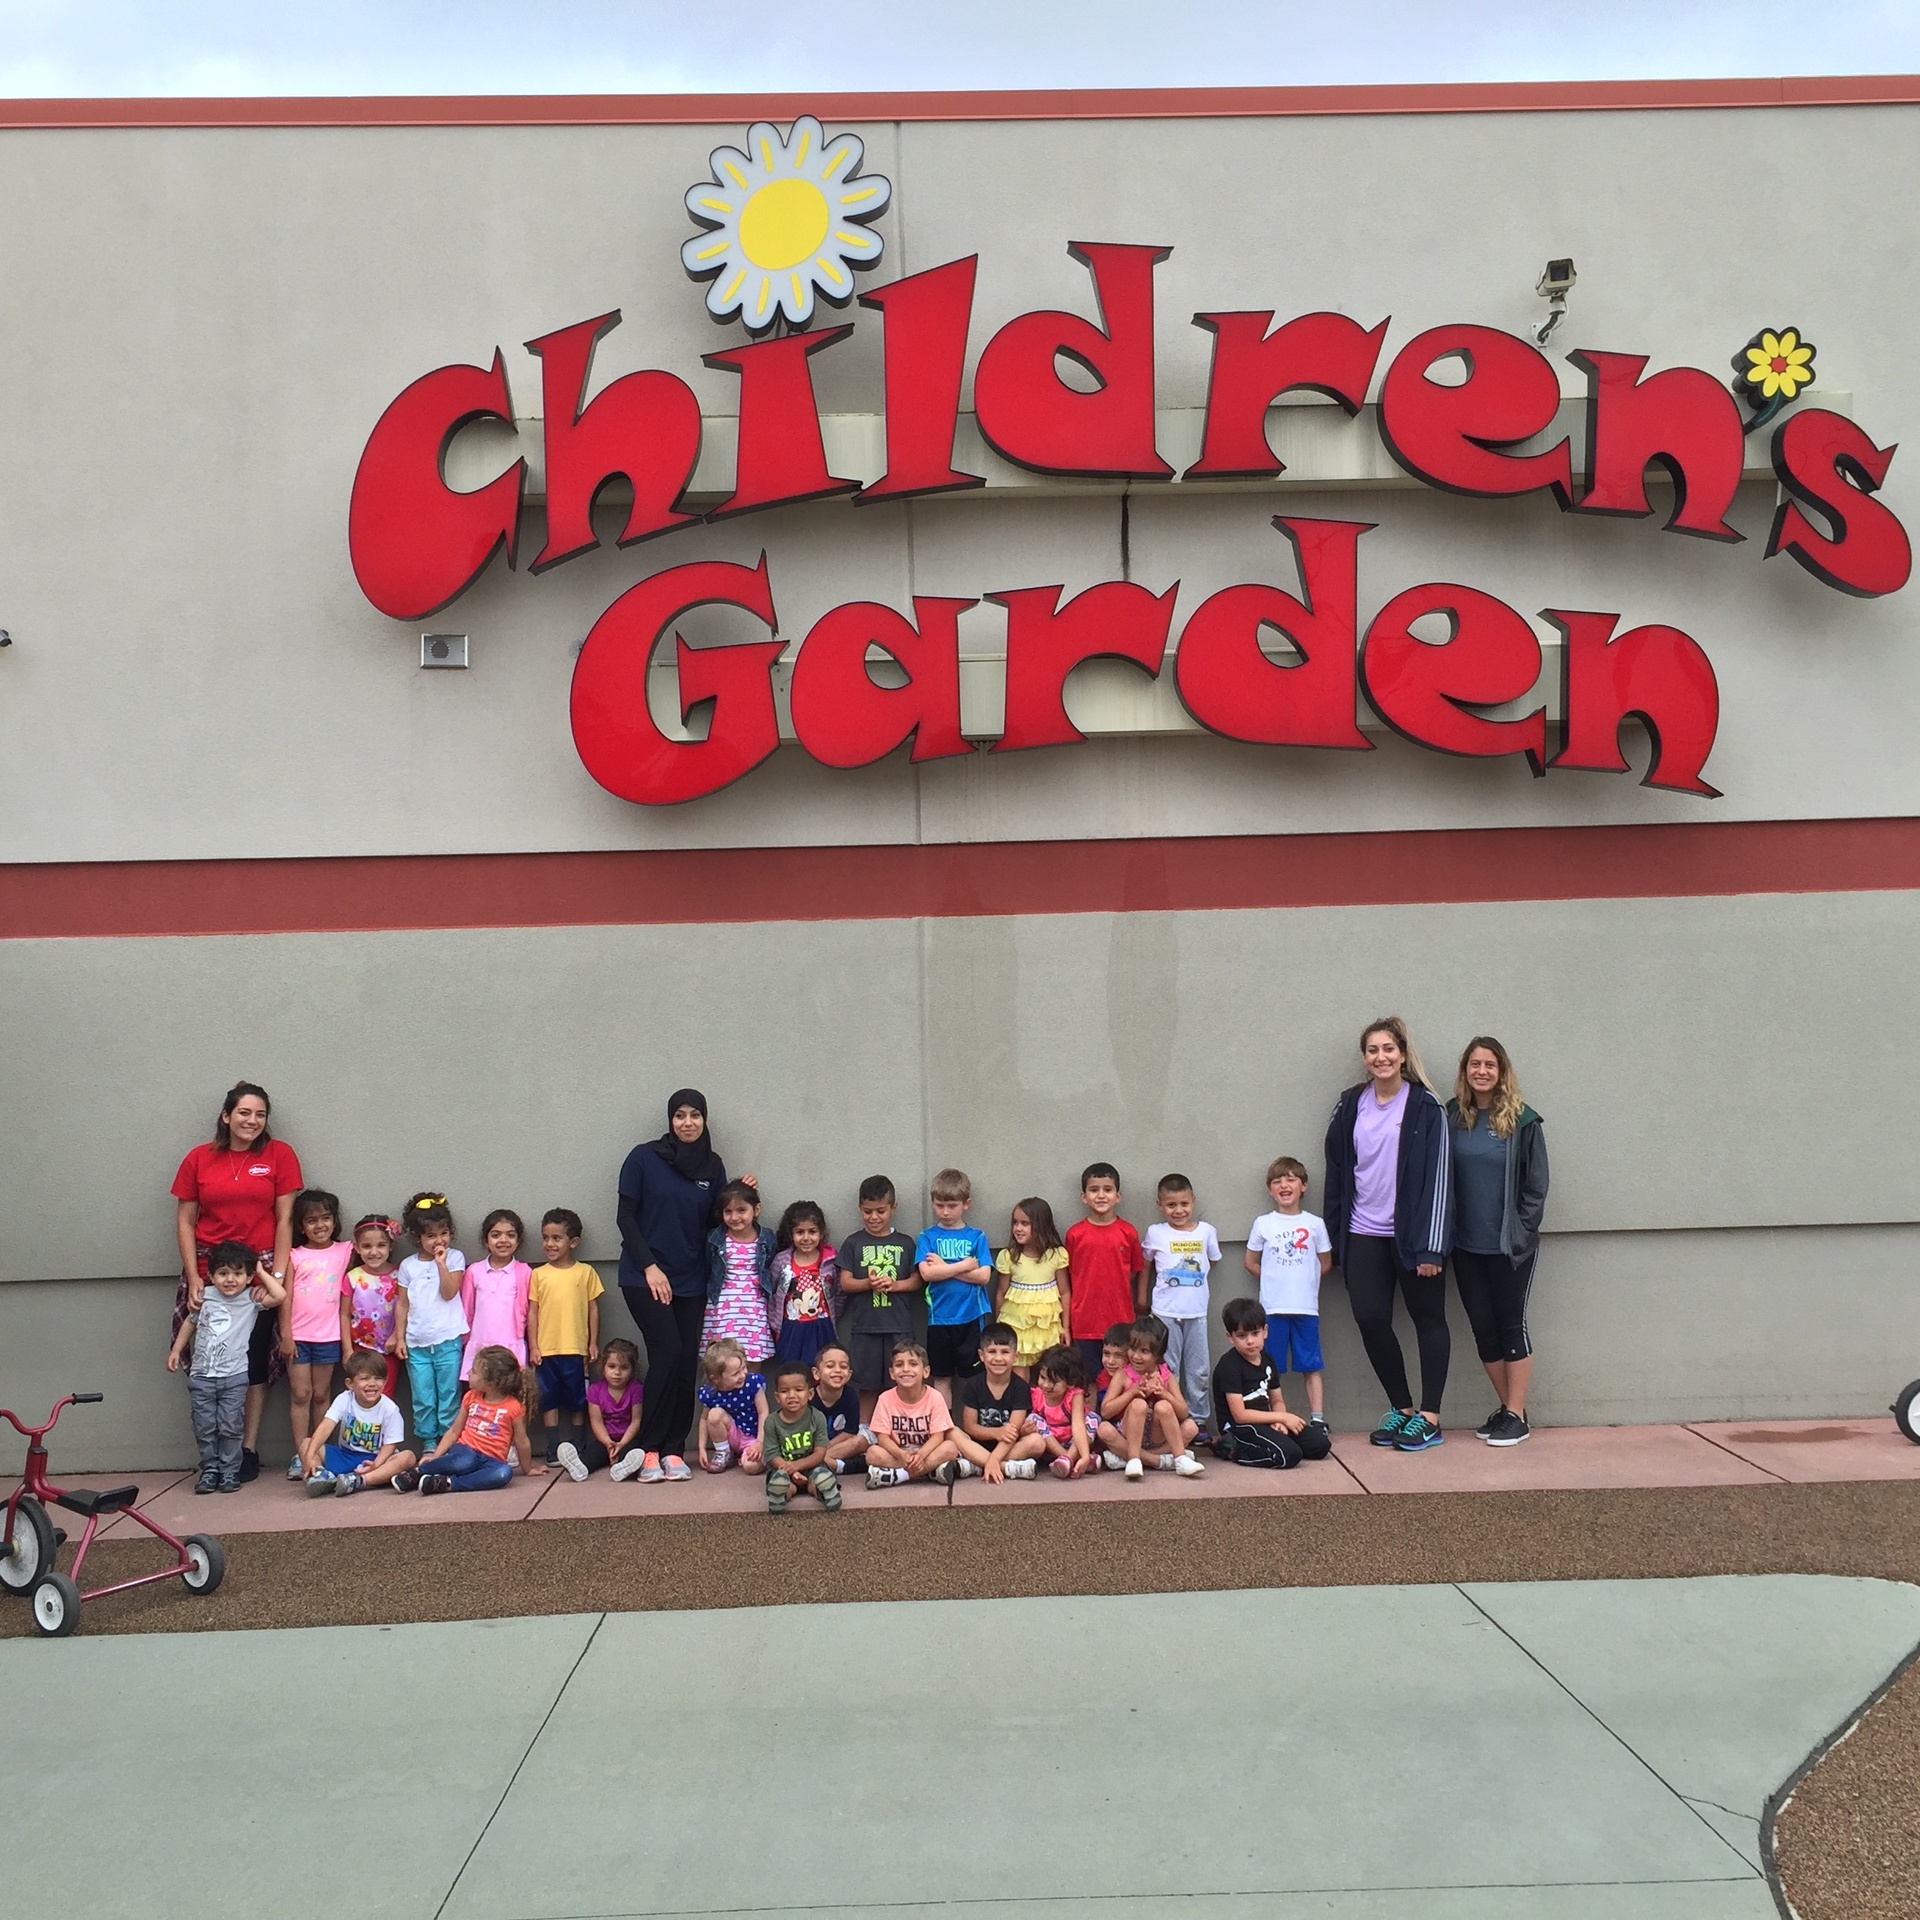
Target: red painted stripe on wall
x,y
143,899
1133,103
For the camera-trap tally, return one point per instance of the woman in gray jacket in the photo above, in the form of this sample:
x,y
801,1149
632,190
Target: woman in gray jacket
x,y
1499,1151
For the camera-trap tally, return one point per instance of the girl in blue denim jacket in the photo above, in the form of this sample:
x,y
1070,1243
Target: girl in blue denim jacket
x,y
740,1276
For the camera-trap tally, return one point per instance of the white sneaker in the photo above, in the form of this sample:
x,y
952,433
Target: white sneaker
x,y
626,1466
1135,1470
568,1455
1187,1467
1111,1461
878,1477
720,1456
1020,1470
1165,1463
968,1471
295,1471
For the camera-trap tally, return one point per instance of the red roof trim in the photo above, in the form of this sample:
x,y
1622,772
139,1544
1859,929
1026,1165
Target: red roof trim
x,y
1136,103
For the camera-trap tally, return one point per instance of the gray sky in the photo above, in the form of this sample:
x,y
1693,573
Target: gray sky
x,y
94,47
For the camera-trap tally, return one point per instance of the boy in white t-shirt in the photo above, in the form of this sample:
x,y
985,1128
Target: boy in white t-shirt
x,y
1183,1251
1291,1253
357,1444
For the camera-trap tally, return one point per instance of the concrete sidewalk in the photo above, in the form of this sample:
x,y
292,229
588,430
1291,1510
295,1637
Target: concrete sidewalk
x,y
1556,1458
1597,1750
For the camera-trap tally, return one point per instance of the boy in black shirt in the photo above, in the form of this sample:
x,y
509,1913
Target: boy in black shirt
x,y
1256,1430
837,1400
995,1437
877,1276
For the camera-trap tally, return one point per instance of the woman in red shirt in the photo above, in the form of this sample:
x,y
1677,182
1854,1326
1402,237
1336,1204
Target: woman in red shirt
x,y
239,1186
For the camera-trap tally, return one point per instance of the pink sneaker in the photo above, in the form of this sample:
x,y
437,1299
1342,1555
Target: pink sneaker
x,y
1062,1469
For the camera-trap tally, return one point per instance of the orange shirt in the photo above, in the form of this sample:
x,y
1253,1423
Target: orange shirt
x,y
488,1425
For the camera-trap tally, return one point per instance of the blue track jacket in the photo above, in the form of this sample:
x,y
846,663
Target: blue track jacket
x,y
1423,1203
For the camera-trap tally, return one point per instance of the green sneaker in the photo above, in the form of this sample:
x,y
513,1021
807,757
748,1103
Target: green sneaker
x,y
1387,1433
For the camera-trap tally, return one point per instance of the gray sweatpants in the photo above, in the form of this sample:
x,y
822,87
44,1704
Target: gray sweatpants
x,y
1187,1358
219,1420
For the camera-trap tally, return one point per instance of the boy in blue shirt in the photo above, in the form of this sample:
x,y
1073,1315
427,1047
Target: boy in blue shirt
x,y
956,1263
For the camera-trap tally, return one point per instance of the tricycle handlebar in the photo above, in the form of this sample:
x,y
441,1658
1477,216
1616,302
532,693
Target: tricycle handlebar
x,y
59,1407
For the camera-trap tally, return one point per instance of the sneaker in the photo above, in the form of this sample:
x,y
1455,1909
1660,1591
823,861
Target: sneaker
x,y
1509,1430
966,1469
228,1486
1387,1433
1201,1439
349,1483
944,1475
249,1466
207,1483
673,1467
435,1483
1164,1462
1019,1470
1111,1461
650,1467
1187,1467
1492,1420
828,1491
321,1482
719,1456
776,1499
1418,1433
1062,1469
878,1477
1136,1470
629,1463
295,1471
568,1455
405,1480
1319,1420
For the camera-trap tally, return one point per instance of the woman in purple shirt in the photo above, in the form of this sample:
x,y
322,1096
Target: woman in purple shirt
x,y
1389,1201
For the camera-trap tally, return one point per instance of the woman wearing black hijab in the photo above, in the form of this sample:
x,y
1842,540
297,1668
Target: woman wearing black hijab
x,y
667,1189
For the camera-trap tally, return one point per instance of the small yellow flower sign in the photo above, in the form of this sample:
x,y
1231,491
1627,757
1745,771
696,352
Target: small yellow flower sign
x,y
784,222
1770,370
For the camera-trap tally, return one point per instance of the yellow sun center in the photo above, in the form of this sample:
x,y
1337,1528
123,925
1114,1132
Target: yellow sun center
x,y
784,224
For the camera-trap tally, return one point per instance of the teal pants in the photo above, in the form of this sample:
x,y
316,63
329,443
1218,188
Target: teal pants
x,y
434,1375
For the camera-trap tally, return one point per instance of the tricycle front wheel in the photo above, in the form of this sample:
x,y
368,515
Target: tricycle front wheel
x,y
28,1550
56,1607
206,1563
1906,1411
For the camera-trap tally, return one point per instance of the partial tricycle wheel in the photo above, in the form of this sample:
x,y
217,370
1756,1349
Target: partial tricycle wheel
x,y
1906,1411
206,1564
56,1607
28,1550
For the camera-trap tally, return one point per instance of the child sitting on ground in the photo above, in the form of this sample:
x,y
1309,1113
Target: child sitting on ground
x,y
1059,1403
794,1442
912,1427
996,1437
1109,1442
1256,1430
239,1286
356,1443
563,1328
474,1453
733,1402
1146,1401
838,1399
613,1419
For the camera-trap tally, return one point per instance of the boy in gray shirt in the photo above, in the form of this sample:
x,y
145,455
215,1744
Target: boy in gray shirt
x,y
217,1380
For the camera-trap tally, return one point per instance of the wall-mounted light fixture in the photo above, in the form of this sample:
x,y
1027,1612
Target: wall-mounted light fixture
x,y
443,649
1555,284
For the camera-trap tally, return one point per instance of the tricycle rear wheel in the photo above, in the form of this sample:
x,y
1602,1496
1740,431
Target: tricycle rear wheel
x,y
1906,1411
29,1547
56,1607
206,1563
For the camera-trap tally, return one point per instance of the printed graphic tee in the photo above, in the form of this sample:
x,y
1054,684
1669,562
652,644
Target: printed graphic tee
x,y
1182,1257
487,1425
887,1256
956,1303
367,1429
783,1439
1254,1382
1289,1246
909,1428
314,1286
990,1410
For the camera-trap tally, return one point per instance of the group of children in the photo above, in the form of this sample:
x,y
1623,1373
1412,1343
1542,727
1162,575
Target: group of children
x,y
1071,1352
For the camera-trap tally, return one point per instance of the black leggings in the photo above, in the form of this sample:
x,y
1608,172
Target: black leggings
x,y
672,1336
1494,1290
1373,1269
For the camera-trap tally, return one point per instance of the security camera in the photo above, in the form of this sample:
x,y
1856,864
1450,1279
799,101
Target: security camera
x,y
1554,286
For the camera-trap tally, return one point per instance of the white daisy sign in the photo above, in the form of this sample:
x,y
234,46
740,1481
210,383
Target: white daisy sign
x,y
784,222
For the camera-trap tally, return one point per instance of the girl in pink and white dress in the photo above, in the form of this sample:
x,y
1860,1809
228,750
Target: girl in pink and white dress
x,y
494,1291
740,1276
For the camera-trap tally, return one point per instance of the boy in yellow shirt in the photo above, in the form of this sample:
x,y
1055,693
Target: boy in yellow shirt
x,y
563,1331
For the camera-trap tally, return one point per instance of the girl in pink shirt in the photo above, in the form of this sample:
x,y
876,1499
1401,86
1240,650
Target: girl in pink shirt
x,y
494,1291
310,1317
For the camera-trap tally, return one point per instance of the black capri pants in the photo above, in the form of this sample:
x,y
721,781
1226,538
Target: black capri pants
x,y
1494,1290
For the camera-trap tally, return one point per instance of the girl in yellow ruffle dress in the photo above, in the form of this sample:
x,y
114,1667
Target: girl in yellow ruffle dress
x,y
1031,1289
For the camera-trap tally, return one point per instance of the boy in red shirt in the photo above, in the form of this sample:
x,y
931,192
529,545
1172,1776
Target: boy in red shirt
x,y
1104,1258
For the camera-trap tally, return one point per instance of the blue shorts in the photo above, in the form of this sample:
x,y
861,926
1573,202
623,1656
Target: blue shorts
x,y
316,1353
339,1462
563,1380
1298,1332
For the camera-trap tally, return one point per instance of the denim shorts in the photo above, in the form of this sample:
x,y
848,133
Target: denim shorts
x,y
316,1353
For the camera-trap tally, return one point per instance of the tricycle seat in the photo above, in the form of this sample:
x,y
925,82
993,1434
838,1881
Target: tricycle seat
x,y
89,1501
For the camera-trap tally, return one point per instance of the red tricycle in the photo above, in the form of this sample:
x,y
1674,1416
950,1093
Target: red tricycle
x,y
31,1541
